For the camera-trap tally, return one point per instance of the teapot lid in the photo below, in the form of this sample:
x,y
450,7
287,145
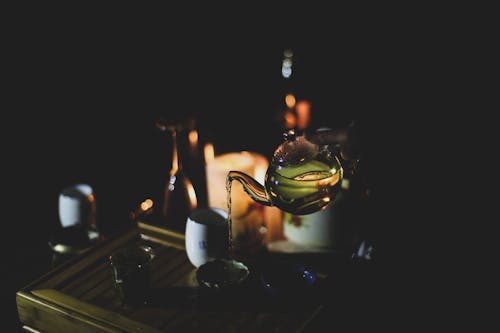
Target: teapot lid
x,y
295,150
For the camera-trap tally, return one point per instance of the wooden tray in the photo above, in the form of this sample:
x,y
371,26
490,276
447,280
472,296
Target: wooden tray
x,y
79,296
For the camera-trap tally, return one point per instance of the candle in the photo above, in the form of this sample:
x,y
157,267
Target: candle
x,y
247,215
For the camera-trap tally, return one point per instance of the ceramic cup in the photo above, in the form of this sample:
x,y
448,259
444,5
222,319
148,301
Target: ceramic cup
x,y
206,235
77,206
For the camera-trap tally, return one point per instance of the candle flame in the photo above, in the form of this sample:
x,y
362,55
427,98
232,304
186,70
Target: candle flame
x,y
193,201
193,139
209,152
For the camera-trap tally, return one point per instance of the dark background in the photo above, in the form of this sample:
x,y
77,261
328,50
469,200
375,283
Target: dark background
x,y
84,92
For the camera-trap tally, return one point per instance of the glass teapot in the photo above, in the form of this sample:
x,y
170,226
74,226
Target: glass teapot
x,y
302,178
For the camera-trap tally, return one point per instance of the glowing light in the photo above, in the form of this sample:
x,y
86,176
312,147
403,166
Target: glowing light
x,y
286,66
209,152
290,120
290,100
286,72
146,204
193,202
193,138
333,171
303,110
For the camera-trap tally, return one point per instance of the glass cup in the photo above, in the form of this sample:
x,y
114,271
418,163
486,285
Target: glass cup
x,y
132,273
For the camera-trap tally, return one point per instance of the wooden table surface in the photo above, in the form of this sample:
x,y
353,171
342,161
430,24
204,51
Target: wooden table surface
x,y
79,296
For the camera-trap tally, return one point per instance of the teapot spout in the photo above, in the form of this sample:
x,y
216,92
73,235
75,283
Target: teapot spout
x,y
256,191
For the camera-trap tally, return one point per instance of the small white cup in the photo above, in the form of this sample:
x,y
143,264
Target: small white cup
x,y
77,206
207,235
